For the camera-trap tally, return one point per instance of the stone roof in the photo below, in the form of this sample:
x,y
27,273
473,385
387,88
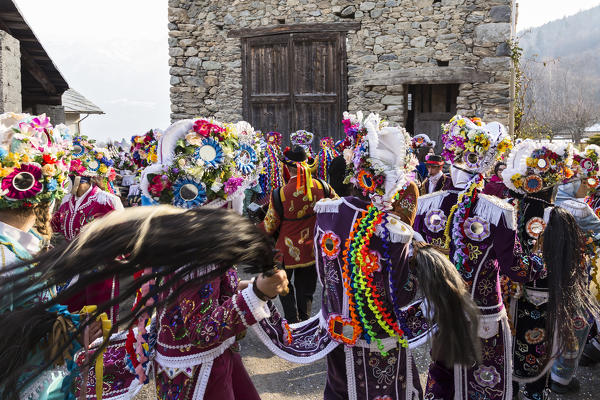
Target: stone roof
x,y
74,102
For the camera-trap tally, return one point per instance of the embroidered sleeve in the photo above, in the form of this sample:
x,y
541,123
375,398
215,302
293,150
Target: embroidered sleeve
x,y
211,323
513,261
406,206
272,219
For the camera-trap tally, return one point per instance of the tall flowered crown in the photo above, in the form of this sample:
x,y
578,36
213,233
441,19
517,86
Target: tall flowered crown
x,y
422,140
34,161
476,145
207,163
532,166
303,138
381,161
327,153
273,138
144,148
586,164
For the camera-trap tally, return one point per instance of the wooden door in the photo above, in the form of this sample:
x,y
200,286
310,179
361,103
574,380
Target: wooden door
x,y
432,106
296,81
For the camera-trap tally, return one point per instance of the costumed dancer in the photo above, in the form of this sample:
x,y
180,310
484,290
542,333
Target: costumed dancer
x,y
436,179
34,164
591,352
479,231
90,169
371,272
291,218
532,172
422,145
209,165
571,197
274,174
495,185
326,155
305,139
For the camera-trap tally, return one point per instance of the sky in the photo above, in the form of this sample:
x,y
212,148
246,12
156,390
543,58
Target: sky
x,y
534,13
115,53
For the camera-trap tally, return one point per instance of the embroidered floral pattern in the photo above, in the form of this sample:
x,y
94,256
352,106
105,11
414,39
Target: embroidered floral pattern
x,y
535,335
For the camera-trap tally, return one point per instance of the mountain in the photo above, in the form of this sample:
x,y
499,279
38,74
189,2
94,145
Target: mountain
x,y
574,41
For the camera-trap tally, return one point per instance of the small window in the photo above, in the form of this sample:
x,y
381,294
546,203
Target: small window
x,y
409,105
441,63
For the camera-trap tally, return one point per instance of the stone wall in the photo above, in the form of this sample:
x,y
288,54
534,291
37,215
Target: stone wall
x,y
10,73
400,42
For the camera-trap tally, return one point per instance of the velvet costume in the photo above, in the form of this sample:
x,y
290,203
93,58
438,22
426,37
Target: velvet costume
x,y
490,236
358,371
72,215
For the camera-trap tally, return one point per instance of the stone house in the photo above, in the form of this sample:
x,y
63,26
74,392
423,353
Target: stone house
x,y
298,64
77,108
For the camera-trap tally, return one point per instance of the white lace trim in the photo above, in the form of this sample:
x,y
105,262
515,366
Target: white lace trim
x,y
194,359
328,206
259,308
491,208
264,337
203,376
576,208
432,201
400,232
352,395
237,309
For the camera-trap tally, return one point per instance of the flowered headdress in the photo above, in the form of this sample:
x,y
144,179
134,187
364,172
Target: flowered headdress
x,y
421,141
474,145
327,153
586,165
532,166
271,176
34,161
144,148
381,162
303,138
205,163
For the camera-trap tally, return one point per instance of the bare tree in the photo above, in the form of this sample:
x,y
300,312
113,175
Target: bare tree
x,y
567,104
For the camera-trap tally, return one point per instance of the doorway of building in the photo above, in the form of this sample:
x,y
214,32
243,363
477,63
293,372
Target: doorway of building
x,y
295,81
428,107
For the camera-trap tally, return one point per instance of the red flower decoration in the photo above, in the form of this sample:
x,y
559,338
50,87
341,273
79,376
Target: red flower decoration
x,y
48,159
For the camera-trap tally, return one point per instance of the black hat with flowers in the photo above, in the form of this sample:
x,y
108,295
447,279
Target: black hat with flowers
x,y
296,154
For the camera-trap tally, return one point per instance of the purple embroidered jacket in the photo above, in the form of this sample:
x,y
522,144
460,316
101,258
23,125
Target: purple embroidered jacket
x,y
493,248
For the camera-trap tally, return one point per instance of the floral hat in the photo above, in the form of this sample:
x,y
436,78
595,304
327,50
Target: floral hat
x,y
381,161
532,166
274,139
327,153
206,163
303,138
89,160
586,165
473,144
422,140
34,161
144,148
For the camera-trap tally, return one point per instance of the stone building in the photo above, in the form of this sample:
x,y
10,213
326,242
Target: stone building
x,y
298,64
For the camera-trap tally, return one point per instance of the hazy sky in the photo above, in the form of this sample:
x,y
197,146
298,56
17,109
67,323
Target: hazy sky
x,y
115,53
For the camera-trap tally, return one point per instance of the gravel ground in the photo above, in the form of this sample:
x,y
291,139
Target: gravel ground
x,y
277,379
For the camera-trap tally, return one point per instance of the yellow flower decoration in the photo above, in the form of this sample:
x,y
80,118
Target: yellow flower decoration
x,y
5,171
102,169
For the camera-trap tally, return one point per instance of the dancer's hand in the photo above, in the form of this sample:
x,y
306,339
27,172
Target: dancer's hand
x,y
273,285
243,284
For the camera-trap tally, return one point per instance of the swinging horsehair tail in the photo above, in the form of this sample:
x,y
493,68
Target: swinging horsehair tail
x,y
569,295
182,249
454,312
